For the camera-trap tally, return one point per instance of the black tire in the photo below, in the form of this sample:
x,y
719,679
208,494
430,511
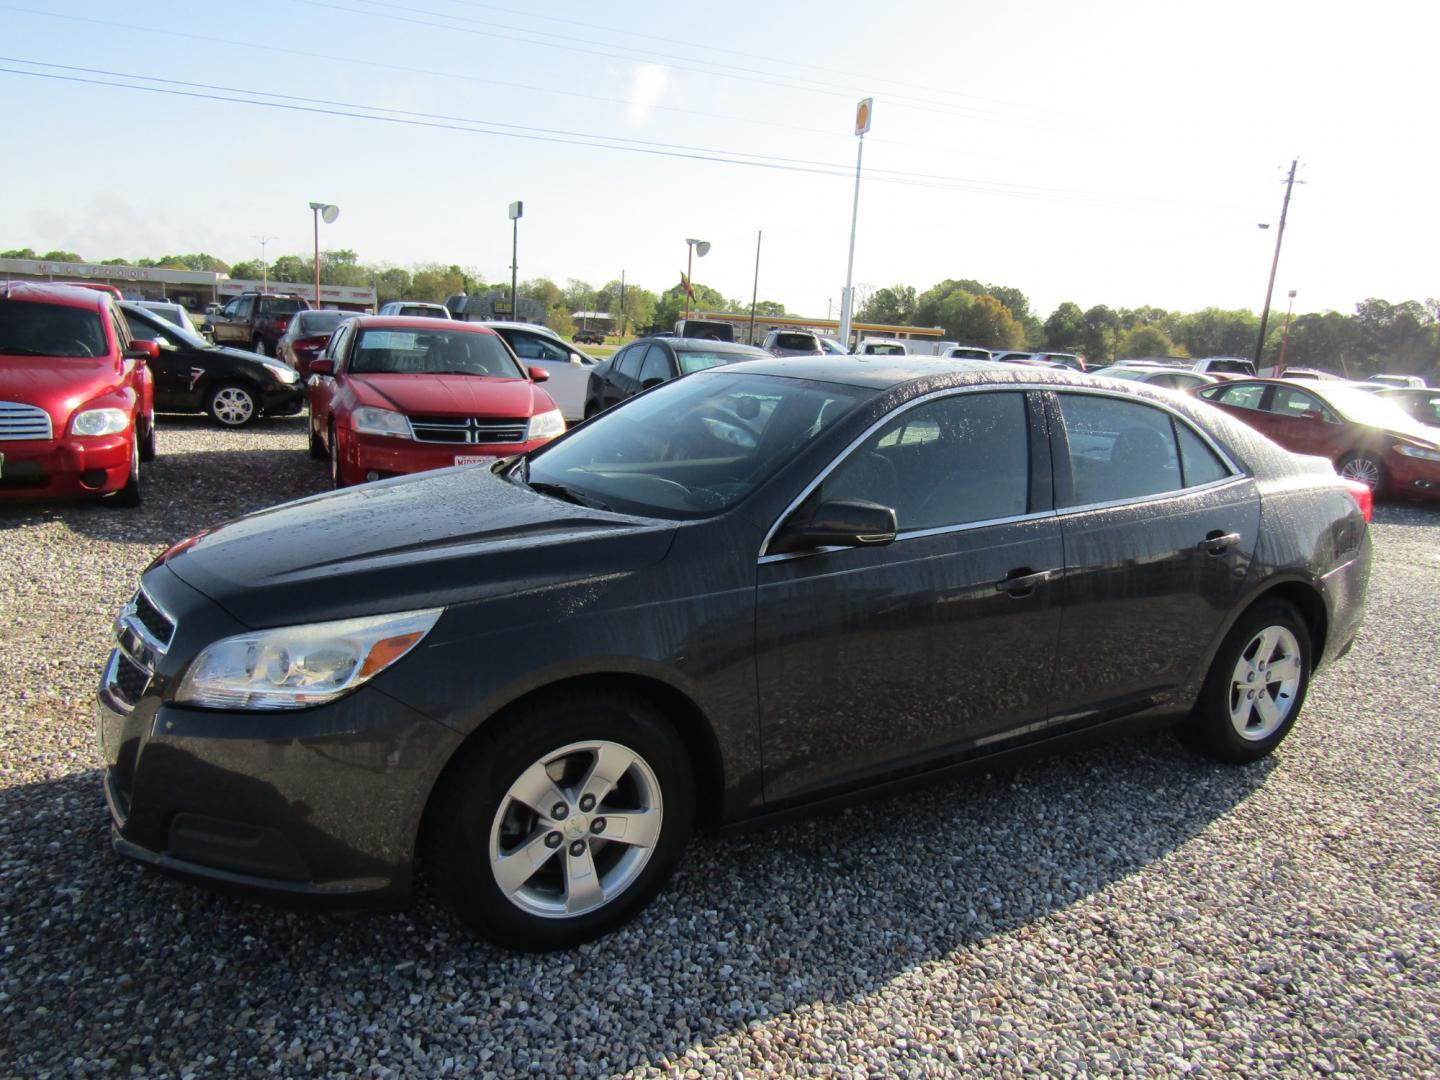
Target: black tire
x,y
1213,727
473,802
129,496
1365,466
257,346
336,480
147,441
317,445
232,405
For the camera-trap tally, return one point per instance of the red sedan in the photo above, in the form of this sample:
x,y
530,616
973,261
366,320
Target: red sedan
x,y
393,395
1365,437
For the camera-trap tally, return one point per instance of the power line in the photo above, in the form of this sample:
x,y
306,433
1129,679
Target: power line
x,y
479,126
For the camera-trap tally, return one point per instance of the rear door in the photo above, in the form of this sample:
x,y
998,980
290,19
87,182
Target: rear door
x,y
1159,529
172,371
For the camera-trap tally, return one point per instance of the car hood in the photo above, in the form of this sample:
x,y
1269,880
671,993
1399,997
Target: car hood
x,y
443,537
450,395
56,384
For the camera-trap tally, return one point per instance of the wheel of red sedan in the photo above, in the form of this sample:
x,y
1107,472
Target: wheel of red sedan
x,y
1364,467
1256,685
337,478
543,840
231,405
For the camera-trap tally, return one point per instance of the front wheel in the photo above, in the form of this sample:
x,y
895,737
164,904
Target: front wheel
x,y
562,822
231,405
317,445
258,345
1364,466
1256,686
129,496
147,443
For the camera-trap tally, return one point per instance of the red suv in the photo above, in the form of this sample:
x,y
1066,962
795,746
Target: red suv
x,y
394,394
77,412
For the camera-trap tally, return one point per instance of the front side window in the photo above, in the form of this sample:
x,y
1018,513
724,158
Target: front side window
x,y
1118,449
531,347
31,329
628,362
1294,402
955,461
1239,395
691,447
656,367
431,352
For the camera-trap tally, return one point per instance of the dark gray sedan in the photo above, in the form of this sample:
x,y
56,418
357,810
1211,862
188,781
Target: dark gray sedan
x,y
758,588
648,362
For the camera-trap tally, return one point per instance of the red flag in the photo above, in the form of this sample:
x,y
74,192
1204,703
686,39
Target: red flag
x,y
685,283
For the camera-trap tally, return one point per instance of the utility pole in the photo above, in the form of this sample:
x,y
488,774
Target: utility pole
x,y
1275,263
755,290
847,298
624,315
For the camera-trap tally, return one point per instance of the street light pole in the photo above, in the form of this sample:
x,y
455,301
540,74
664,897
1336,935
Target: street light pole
x,y
755,289
1275,263
847,298
692,246
517,208
329,212
264,265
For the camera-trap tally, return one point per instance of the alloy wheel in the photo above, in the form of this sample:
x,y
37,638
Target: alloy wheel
x,y
575,829
1361,468
232,406
1265,682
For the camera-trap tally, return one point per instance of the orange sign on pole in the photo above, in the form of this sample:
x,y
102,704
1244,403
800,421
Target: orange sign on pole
x,y
862,116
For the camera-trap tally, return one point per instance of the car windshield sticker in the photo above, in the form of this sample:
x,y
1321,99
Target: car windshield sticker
x,y
389,339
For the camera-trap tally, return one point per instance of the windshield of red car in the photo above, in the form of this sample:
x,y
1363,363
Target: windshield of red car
x,y
1364,407
31,329
432,352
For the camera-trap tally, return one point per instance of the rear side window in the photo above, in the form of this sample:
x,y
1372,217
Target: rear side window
x,y
31,329
1241,396
1118,449
1199,464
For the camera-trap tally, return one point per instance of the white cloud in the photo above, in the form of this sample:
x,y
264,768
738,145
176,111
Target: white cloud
x,y
647,84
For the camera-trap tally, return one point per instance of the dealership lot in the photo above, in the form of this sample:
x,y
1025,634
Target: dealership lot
x,y
1134,908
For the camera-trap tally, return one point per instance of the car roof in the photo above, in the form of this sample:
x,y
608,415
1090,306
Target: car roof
x,y
417,322
41,292
538,328
886,372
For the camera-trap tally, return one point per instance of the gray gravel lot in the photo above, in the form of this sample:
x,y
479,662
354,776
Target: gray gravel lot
x,y
1131,910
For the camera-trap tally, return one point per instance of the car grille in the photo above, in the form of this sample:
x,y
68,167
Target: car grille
x,y
142,635
20,421
467,430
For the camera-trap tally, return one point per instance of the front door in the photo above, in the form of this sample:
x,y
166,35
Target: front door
x,y
871,661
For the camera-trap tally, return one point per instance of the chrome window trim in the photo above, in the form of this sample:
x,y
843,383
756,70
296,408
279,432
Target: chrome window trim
x,y
765,555
1237,474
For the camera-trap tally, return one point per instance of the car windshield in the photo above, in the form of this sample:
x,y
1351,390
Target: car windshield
x,y
147,325
432,352
1363,407
31,329
693,360
692,447
315,323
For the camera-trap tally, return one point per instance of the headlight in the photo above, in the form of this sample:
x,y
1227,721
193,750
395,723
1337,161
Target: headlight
x,y
298,666
282,372
100,422
380,422
546,425
1406,450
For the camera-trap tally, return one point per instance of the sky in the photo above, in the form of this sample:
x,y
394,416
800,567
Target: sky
x,y
1122,153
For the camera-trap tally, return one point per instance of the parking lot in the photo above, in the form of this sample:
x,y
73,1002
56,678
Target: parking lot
x,y
1129,910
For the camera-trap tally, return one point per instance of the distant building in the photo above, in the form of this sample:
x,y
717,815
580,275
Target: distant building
x,y
339,297
193,288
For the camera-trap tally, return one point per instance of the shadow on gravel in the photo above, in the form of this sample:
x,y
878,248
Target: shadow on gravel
x,y
121,967
186,492
1425,515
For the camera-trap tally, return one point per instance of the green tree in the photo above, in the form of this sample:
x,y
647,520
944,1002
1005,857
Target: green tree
x,y
292,268
1100,330
392,283
249,270
638,310
1216,332
433,282
197,261
987,322
894,305
671,305
1147,340
18,253
61,256
1065,328
578,296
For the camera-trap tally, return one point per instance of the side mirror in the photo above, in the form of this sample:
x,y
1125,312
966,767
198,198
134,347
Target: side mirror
x,y
836,523
539,374
143,350
322,367
575,358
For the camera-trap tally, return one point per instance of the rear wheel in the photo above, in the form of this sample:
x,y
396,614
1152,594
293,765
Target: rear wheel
x,y
258,345
231,405
1256,685
1364,466
337,478
562,822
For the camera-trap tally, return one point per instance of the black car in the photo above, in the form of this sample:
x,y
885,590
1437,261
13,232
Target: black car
x,y
754,589
232,385
650,361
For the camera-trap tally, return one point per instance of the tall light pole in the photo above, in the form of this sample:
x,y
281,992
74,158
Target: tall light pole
x,y
847,299
624,315
517,208
329,212
264,265
1275,263
703,247
755,289
1285,337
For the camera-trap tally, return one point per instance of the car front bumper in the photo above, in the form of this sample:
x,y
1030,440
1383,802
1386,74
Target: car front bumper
x,y
282,399
319,806
385,456
58,468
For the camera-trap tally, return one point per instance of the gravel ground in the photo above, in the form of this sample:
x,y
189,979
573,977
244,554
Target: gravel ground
x,y
1130,910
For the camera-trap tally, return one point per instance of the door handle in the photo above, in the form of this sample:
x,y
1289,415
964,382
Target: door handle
x,y
1217,543
1022,582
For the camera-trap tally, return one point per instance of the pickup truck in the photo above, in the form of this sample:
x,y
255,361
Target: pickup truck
x,y
254,321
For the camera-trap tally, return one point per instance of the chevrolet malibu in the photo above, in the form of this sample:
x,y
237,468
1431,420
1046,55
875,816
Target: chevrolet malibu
x,y
757,588
393,395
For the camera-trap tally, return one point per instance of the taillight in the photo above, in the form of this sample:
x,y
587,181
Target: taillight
x,y
1363,496
281,325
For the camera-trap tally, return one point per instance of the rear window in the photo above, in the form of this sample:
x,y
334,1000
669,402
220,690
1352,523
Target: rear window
x,y
1231,367
320,322
719,331
31,329
423,311
283,305
797,341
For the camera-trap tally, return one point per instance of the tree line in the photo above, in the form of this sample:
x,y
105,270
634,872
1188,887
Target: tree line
x,y
1378,336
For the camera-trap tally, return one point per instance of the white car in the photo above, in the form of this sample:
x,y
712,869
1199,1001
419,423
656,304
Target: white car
x,y
415,307
539,346
169,311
